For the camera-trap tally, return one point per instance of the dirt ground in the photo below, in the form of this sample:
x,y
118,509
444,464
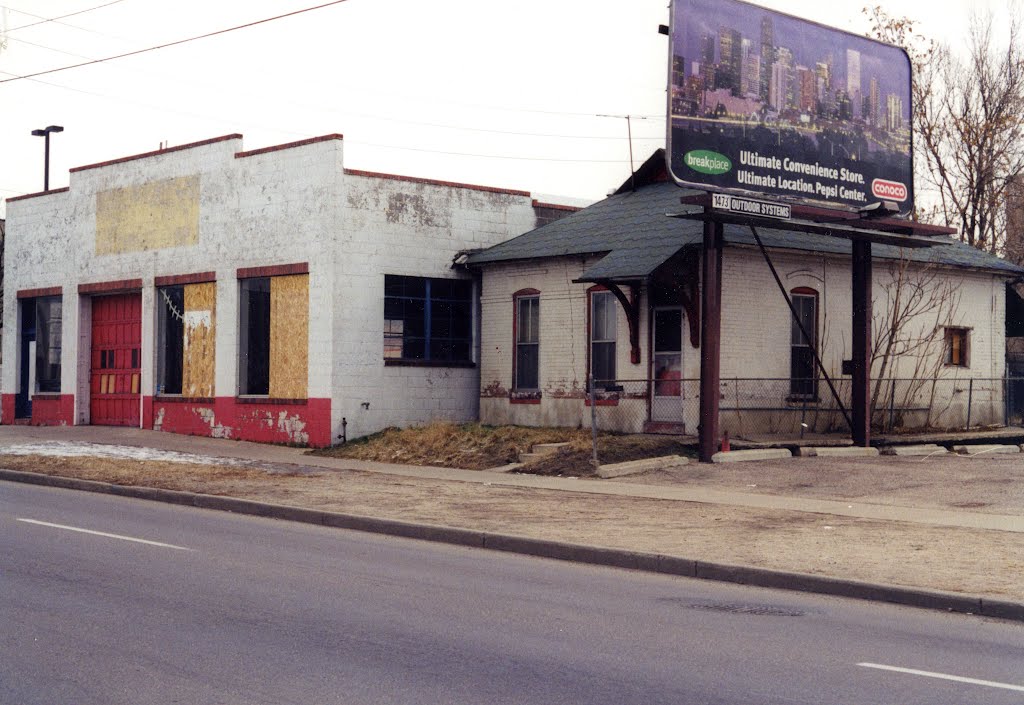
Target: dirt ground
x,y
971,561
988,484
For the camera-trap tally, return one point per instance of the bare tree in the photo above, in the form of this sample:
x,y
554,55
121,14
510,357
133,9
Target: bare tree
x,y
968,120
909,326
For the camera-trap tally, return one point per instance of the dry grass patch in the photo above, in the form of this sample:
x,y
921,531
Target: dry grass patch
x,y
576,460
470,446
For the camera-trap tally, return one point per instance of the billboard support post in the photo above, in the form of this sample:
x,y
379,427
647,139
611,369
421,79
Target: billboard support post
x,y
710,338
860,396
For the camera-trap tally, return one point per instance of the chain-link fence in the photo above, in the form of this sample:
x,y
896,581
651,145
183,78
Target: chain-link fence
x,y
792,408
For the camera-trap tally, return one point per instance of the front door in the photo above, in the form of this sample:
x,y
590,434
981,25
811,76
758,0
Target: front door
x,y
667,364
116,360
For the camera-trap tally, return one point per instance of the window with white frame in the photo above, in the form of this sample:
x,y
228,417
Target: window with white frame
x,y
602,336
803,378
527,325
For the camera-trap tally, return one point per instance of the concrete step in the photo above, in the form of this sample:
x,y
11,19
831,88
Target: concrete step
x,y
548,448
925,449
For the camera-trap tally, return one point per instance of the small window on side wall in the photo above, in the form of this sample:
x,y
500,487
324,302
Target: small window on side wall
x,y
527,325
957,347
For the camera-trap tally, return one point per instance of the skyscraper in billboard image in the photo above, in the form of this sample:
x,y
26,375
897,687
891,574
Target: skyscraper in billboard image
x,y
765,103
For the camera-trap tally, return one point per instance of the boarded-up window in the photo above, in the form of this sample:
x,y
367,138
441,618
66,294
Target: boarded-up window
x,y
274,344
186,331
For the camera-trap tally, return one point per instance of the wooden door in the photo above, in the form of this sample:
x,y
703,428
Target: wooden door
x,y
116,360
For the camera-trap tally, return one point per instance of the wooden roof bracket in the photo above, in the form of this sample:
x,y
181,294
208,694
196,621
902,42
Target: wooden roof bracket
x,y
631,306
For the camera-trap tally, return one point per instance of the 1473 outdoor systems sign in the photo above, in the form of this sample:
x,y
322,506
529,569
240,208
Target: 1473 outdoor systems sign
x,y
763,102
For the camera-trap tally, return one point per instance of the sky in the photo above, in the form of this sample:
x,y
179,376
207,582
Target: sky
x,y
527,95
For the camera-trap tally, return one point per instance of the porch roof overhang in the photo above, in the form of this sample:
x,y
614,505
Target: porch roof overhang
x,y
630,264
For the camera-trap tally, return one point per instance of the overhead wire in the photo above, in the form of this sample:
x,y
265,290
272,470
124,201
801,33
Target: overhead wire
x,y
44,20
174,43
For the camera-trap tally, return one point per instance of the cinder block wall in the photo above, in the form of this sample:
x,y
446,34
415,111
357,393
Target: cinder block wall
x,y
289,204
409,227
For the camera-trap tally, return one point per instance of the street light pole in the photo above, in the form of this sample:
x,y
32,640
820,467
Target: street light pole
x,y
45,134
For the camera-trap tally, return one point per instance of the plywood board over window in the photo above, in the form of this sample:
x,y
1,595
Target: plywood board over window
x,y
289,336
198,348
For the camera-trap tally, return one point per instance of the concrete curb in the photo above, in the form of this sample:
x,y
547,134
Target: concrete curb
x,y
557,550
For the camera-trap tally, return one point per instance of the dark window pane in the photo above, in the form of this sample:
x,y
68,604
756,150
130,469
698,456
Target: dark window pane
x,y
527,367
414,349
171,320
427,318
668,330
603,361
255,348
48,343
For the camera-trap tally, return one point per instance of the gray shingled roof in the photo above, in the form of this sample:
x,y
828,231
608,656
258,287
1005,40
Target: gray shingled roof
x,y
633,228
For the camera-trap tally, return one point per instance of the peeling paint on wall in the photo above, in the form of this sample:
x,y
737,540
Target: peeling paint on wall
x,y
152,216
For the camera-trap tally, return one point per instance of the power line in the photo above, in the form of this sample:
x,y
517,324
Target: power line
x,y
174,43
44,20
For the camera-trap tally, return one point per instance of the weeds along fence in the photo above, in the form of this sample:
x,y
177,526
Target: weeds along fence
x,y
757,407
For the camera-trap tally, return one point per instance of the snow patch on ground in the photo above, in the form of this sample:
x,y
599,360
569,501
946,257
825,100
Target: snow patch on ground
x,y
98,450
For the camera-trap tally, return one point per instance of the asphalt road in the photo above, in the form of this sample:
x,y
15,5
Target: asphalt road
x,y
218,608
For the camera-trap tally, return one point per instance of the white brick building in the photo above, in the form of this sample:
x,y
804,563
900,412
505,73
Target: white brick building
x,y
550,319
269,295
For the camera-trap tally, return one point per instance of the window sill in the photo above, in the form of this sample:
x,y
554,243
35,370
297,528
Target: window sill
x,y
46,396
951,366
177,398
392,362
524,398
269,400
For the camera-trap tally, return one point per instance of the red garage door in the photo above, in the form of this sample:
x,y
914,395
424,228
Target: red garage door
x,y
116,359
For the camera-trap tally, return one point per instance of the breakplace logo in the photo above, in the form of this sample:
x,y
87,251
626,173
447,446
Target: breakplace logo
x,y
707,162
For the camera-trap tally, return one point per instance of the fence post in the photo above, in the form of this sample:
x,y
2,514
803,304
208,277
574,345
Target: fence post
x,y
892,402
970,401
593,420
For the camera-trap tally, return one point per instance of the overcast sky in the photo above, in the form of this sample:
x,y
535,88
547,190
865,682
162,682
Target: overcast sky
x,y
502,94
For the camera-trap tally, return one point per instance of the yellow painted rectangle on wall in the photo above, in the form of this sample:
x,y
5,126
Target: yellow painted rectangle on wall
x,y
289,336
197,363
152,216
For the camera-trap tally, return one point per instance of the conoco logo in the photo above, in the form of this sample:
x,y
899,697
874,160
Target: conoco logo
x,y
889,190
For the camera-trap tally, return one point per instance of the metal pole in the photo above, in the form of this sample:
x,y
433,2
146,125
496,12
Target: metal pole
x,y
46,162
970,401
593,423
861,392
892,402
710,339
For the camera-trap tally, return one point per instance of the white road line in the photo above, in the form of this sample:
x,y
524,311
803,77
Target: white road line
x,y
944,676
103,533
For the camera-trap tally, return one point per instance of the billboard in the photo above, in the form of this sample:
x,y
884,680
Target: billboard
x,y
765,103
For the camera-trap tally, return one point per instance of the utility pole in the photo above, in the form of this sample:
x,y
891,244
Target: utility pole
x,y
629,135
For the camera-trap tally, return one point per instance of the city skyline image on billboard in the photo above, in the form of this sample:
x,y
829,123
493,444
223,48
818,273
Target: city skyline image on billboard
x,y
761,102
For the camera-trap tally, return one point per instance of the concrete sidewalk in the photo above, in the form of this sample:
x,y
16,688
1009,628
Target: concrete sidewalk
x,y
261,453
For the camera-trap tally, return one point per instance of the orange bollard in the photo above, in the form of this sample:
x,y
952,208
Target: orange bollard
x,y
725,442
